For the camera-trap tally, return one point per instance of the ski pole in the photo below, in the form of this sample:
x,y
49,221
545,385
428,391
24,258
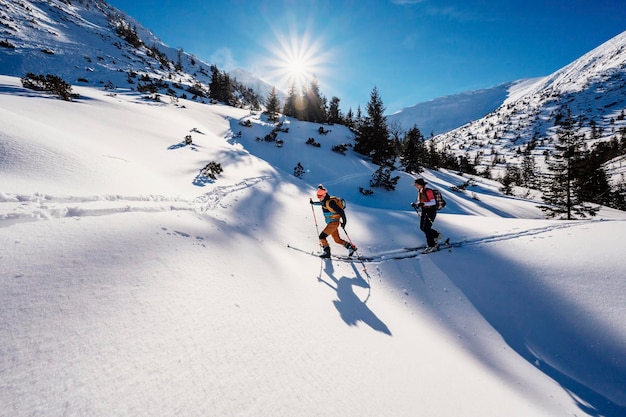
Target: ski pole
x,y
347,235
315,220
420,214
356,251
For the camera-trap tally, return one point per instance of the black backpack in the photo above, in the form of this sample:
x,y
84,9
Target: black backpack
x,y
441,203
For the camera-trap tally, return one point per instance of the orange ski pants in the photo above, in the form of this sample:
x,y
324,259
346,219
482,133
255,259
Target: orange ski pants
x,y
331,229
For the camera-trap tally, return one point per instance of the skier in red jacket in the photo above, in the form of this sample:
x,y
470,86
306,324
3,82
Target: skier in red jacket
x,y
428,204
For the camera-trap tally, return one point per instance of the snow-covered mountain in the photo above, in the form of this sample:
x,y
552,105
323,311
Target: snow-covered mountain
x,y
86,42
443,114
593,88
262,88
89,42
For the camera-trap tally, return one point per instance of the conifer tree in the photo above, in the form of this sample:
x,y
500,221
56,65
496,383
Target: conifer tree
x,y
358,119
334,113
373,136
591,182
434,157
560,192
220,87
414,152
349,119
272,105
528,173
315,109
290,109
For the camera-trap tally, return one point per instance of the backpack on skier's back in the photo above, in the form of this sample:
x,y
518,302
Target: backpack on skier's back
x,y
340,202
440,202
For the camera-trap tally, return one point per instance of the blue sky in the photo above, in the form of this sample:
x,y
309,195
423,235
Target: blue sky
x,y
410,50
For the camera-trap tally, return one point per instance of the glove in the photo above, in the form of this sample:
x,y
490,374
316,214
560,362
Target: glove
x,y
414,205
343,225
311,201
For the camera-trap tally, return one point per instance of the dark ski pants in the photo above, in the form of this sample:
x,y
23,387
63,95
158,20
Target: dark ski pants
x,y
426,224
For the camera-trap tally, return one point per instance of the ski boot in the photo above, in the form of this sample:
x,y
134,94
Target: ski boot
x,y
431,249
326,252
351,248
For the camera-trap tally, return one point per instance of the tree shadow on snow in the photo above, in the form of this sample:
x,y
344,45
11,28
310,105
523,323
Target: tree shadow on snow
x,y
202,180
350,307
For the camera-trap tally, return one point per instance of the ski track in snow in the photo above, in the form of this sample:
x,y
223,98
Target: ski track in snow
x,y
401,254
406,253
21,208
211,200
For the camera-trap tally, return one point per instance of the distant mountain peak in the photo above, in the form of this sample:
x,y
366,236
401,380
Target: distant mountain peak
x,y
592,88
443,114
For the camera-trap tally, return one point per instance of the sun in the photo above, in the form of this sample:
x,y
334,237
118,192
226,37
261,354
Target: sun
x,y
296,61
297,68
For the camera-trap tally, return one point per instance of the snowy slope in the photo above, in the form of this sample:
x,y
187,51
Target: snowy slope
x,y
131,285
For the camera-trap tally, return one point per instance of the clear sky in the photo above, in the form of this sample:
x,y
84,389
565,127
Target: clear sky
x,y
410,50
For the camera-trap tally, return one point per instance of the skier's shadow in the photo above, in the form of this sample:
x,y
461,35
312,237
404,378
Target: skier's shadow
x,y
351,308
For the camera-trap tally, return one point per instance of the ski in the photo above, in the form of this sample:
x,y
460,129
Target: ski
x,y
438,246
345,258
393,254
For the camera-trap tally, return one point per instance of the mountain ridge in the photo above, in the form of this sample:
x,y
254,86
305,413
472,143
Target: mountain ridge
x,y
592,88
84,44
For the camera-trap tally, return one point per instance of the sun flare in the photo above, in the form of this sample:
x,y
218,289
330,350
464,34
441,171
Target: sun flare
x,y
297,68
296,60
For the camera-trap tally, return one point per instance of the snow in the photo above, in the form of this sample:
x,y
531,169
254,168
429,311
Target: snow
x,y
131,285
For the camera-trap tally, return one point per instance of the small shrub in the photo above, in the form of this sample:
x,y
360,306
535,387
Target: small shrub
x,y
270,137
7,44
322,131
298,170
340,149
311,141
382,178
212,169
50,83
